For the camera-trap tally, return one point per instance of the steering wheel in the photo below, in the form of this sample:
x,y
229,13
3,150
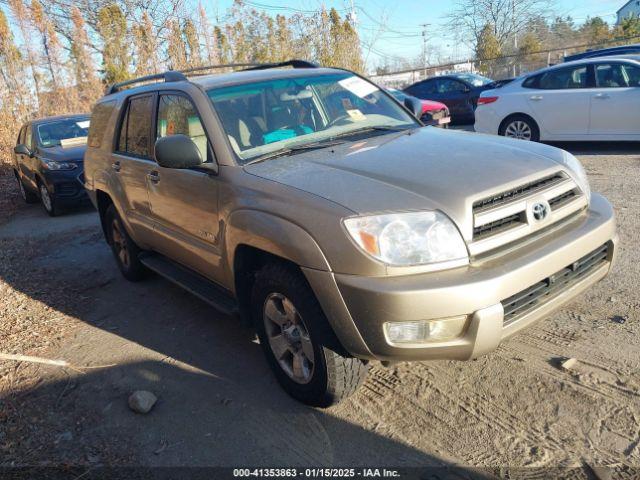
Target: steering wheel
x,y
338,119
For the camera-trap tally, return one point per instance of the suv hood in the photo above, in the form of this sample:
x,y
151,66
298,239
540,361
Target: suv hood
x,y
428,169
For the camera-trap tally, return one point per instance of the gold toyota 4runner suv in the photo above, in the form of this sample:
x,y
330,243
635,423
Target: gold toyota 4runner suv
x,y
312,203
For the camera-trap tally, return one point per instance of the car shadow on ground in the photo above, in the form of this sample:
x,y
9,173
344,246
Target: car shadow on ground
x,y
218,403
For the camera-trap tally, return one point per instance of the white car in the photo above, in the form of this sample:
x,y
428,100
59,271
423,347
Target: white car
x,y
591,99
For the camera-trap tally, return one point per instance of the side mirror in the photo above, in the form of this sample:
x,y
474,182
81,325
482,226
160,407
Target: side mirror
x,y
465,89
414,105
177,151
21,149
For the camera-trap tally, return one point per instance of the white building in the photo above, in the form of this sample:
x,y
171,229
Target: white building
x,y
629,9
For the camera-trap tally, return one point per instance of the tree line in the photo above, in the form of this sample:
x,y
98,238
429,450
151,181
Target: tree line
x,y
58,56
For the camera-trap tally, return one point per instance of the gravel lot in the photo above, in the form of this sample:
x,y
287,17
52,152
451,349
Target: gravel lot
x,y
61,297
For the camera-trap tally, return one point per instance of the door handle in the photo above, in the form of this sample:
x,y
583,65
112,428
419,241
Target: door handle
x,y
602,96
536,98
116,165
153,176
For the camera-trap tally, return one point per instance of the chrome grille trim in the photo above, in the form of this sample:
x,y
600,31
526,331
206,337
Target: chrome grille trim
x,y
523,190
506,217
540,293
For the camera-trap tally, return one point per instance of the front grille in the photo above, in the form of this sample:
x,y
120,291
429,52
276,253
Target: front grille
x,y
518,192
67,189
563,199
537,295
498,226
508,216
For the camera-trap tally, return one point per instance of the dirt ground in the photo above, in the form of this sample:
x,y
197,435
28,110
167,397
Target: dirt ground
x,y
61,297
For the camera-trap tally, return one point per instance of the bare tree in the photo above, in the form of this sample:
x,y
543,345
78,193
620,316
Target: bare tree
x,y
507,18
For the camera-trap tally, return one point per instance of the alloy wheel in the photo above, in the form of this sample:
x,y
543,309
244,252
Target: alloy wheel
x,y
46,198
288,338
519,130
119,243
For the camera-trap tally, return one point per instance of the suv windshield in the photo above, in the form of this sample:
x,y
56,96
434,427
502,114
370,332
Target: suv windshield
x,y
71,131
269,116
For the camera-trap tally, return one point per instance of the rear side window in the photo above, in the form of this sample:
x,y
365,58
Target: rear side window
x,y
99,118
564,79
177,115
135,128
424,88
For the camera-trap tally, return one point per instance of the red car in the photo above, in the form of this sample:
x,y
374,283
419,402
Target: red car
x,y
433,113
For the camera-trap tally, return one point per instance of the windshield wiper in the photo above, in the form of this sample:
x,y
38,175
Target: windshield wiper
x,y
375,128
295,149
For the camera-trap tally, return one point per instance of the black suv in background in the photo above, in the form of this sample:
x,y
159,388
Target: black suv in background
x,y
48,161
458,91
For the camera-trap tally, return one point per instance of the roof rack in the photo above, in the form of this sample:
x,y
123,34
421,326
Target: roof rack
x,y
181,75
169,76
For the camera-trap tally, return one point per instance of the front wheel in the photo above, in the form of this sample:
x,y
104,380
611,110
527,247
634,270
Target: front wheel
x,y
297,340
520,127
48,200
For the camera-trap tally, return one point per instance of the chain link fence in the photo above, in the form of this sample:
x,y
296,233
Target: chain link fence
x,y
500,68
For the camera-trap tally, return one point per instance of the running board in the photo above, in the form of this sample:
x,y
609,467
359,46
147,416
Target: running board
x,y
191,281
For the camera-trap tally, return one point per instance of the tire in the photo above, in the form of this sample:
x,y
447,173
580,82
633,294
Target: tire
x,y
27,195
123,247
281,292
48,200
520,127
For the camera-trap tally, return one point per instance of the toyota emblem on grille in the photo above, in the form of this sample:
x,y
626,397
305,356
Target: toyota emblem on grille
x,y
540,211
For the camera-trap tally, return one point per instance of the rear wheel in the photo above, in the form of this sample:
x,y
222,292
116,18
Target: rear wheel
x,y
520,127
124,248
297,340
27,195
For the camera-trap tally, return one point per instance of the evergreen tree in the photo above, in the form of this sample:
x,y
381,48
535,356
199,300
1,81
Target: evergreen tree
x,y
112,29
145,43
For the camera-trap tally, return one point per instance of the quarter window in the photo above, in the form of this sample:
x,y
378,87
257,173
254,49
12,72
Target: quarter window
x,y
564,79
21,135
99,119
177,115
28,138
135,129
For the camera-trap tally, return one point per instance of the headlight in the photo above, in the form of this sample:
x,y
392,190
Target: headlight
x,y
578,173
51,165
404,239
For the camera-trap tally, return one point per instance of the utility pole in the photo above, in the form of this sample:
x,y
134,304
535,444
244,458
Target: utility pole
x,y
352,16
424,46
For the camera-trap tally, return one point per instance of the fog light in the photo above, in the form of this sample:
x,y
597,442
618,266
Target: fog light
x,y
425,331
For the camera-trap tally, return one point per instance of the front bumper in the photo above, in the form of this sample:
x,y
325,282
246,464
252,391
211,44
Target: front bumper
x,y
67,186
360,306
